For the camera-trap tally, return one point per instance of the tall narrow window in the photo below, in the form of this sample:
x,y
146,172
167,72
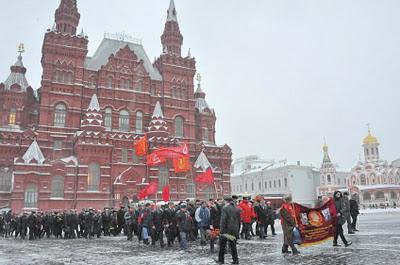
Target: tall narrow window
x,y
205,134
124,156
285,181
13,116
162,177
179,127
31,196
110,82
93,177
139,122
124,121
108,119
135,158
5,179
139,85
328,179
57,187
59,115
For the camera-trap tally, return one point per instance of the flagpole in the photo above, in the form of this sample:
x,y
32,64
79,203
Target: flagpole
x,y
216,191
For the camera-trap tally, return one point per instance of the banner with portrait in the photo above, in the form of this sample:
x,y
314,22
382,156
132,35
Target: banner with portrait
x,y
316,225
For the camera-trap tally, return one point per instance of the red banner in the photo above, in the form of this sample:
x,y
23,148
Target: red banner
x,y
149,190
182,164
154,159
316,224
165,194
206,177
141,146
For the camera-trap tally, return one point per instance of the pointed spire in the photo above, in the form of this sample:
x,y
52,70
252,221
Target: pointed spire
x,y
158,111
172,12
54,28
94,104
189,54
33,152
202,162
17,75
82,34
172,38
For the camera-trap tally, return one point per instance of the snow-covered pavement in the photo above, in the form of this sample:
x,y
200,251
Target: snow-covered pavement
x,y
376,243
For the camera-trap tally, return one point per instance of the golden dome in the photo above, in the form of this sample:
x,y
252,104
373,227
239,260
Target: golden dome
x,y
370,139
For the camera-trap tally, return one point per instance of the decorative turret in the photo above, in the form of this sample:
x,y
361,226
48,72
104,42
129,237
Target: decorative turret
x,y
201,103
17,75
93,118
67,17
158,126
202,162
326,162
172,38
371,147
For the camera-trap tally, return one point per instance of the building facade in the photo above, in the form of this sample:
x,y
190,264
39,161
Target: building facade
x,y
375,180
70,143
270,180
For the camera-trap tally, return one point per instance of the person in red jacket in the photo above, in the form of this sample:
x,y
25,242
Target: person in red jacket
x,y
246,216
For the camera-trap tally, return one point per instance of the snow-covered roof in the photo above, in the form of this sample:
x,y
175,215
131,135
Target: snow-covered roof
x,y
94,104
69,159
172,12
17,76
33,152
112,46
157,113
201,105
202,162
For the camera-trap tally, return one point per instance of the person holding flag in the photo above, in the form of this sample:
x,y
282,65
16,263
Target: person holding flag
x,y
288,221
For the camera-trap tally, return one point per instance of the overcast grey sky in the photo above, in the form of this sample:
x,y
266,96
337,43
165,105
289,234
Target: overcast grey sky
x,y
281,75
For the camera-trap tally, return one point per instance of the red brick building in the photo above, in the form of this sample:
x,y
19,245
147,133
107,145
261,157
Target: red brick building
x,y
69,144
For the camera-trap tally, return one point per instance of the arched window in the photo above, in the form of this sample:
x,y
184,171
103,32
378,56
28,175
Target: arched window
x,y
31,196
124,121
139,122
5,179
139,85
379,195
367,151
12,117
363,180
59,115
328,179
367,196
93,177
173,92
372,151
110,82
205,134
162,177
57,187
179,127
279,183
108,119
285,181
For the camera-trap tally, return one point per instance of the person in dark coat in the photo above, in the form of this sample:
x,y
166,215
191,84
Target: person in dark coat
x,y
215,222
346,202
261,212
171,228
288,223
270,219
120,219
354,211
340,220
157,226
130,219
184,224
230,227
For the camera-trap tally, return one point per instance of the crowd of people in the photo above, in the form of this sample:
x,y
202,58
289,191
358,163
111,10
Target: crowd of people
x,y
168,223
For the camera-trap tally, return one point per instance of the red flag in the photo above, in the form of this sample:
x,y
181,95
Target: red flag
x,y
141,146
165,194
173,152
149,190
154,159
206,177
182,164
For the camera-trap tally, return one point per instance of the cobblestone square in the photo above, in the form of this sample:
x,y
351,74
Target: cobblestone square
x,y
376,243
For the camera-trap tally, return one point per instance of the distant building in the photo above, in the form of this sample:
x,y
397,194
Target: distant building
x,y
330,179
260,177
375,180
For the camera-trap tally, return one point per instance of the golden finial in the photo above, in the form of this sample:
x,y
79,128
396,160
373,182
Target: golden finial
x,y
21,48
369,128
